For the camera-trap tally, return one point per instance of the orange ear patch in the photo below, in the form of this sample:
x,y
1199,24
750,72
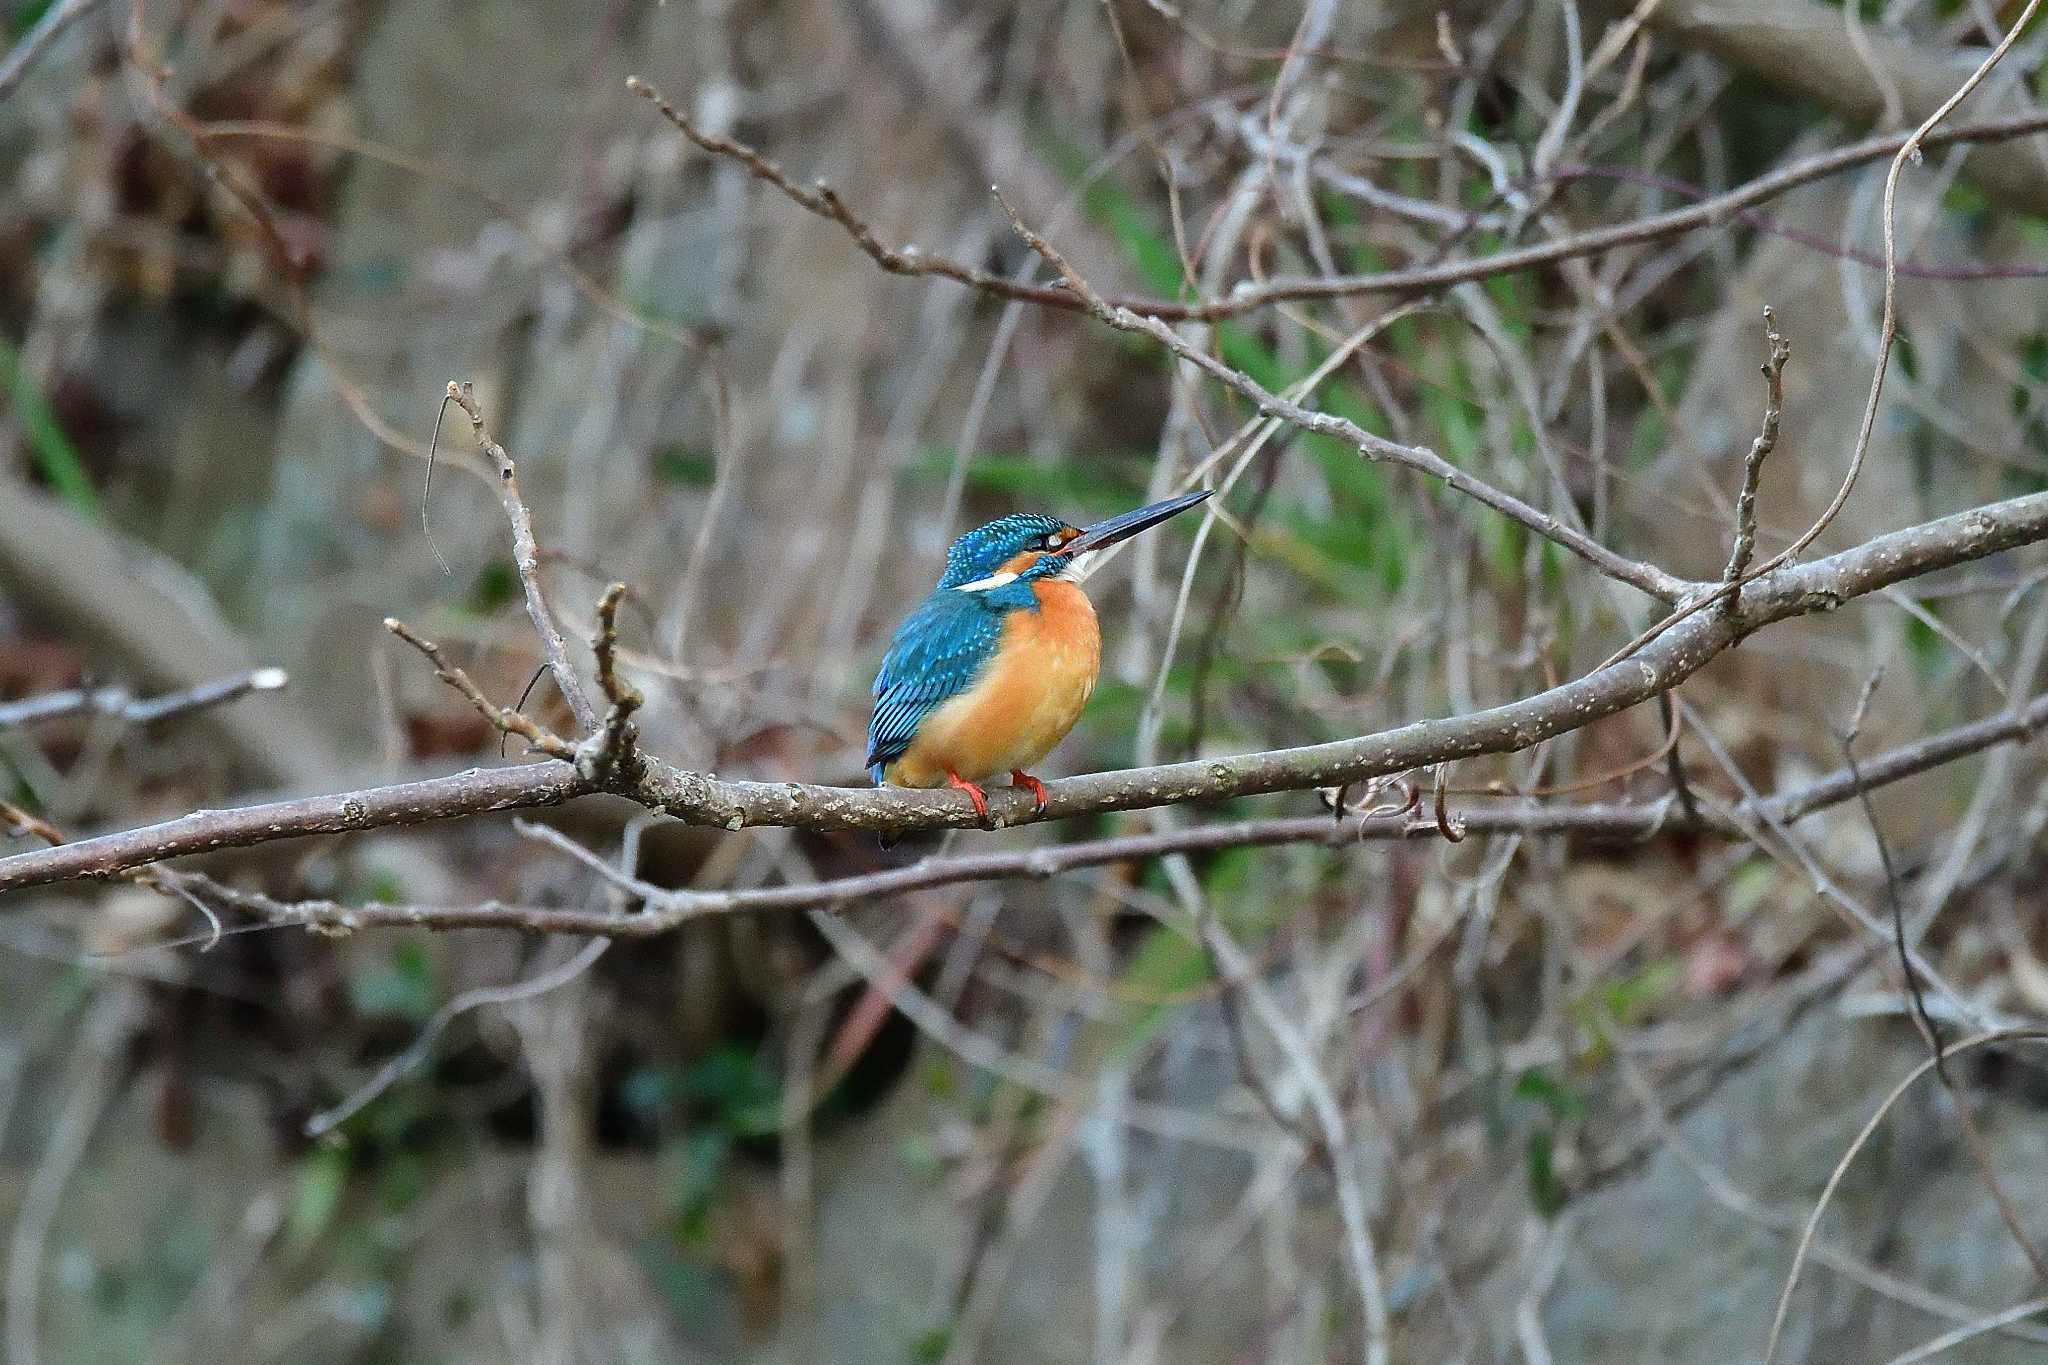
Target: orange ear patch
x,y
1018,563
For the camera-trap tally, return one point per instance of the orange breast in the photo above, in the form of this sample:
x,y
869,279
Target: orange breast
x,y
1023,704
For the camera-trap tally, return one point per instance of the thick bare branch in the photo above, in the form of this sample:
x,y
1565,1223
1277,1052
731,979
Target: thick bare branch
x,y
474,792
702,799
664,910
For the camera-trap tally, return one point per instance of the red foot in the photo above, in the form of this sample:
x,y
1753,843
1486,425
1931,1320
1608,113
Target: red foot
x,y
1020,778
974,793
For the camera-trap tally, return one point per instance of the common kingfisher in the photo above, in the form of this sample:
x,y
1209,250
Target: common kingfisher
x,y
992,669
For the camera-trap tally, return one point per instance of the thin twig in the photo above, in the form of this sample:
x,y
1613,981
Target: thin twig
x,y
1888,326
1862,1138
526,559
427,487
1723,1190
1753,464
1674,763
1320,1100
672,908
421,1047
20,823
1529,1310
118,703
1970,1331
1888,331
1248,298
503,718
97,1069
1664,586
1248,1073
1925,1021
611,753
1973,1137
1452,830
29,48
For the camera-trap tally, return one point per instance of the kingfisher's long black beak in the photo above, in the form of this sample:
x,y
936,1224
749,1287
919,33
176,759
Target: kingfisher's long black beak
x,y
1106,533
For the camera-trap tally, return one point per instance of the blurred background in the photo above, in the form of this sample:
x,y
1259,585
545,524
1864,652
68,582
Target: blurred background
x,y
1585,1093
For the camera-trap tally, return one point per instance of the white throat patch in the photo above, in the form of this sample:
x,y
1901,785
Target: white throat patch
x,y
994,580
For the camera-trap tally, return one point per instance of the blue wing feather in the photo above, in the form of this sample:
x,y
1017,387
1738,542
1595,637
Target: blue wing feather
x,y
936,654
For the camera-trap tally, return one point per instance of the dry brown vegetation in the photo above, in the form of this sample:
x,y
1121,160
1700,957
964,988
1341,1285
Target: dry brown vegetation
x,y
1551,871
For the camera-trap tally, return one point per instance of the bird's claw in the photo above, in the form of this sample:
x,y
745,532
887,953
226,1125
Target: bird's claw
x,y
974,794
1020,778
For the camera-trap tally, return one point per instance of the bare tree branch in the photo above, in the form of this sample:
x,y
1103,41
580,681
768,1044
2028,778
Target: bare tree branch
x,y
526,557
1625,823
702,799
506,719
1715,211
611,754
1911,149
1665,587
409,803
1806,1239
29,48
1753,463
117,702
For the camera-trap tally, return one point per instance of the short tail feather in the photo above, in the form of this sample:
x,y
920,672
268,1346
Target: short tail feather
x,y
876,771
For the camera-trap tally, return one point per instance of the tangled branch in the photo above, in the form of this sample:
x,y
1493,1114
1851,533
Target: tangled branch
x,y
1713,211
703,799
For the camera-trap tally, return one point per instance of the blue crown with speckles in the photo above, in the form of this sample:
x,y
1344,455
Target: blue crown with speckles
x,y
986,549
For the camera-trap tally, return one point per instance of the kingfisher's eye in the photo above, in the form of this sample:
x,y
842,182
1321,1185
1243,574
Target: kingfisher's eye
x,y
1050,541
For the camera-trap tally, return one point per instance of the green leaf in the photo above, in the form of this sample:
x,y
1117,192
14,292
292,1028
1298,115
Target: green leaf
x,y
1928,649
1168,963
402,1178
930,1346
404,986
690,1289
1229,875
1629,998
495,585
1539,1086
1509,296
739,1086
1908,358
56,459
1966,200
698,1166
685,467
317,1187
27,17
382,886
1546,1191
